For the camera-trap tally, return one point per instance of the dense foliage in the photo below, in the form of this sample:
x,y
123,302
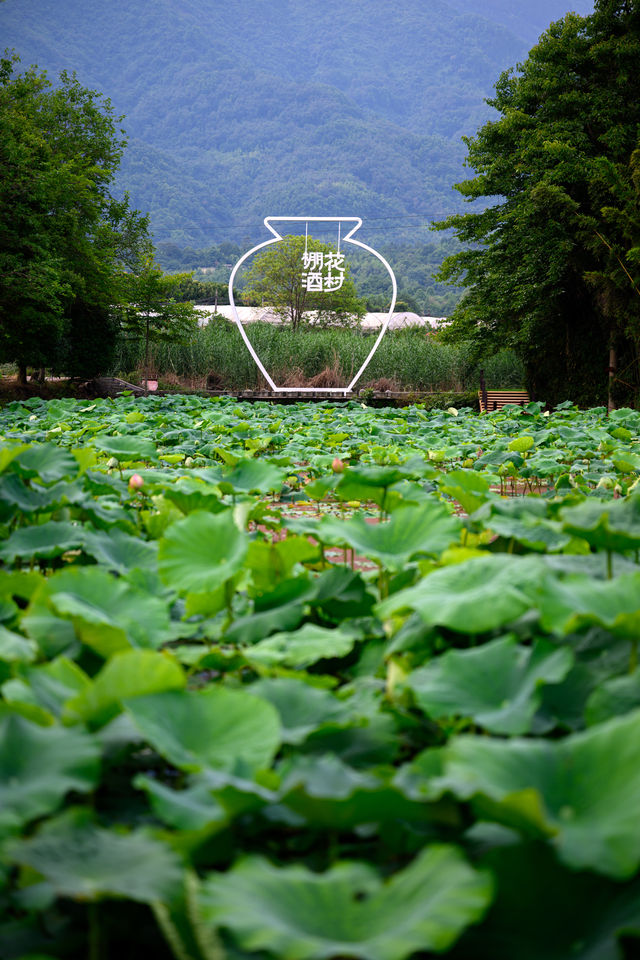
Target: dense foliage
x,y
553,269
307,683
327,108
64,239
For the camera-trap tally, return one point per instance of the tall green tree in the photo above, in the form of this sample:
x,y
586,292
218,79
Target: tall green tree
x,y
279,278
549,268
152,313
65,241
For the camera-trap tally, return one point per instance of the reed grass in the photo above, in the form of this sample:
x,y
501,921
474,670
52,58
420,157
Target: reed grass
x,y
410,359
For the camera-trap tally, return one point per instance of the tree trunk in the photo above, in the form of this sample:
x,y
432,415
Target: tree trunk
x,y
22,373
612,375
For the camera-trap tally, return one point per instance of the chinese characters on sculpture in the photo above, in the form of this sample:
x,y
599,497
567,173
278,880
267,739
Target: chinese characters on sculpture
x,y
324,272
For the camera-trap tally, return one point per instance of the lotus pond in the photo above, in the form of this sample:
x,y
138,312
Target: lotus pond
x,y
257,703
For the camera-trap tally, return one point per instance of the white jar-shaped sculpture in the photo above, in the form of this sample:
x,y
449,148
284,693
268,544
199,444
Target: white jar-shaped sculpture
x,y
354,223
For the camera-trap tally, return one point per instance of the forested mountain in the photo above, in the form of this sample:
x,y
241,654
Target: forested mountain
x,y
239,109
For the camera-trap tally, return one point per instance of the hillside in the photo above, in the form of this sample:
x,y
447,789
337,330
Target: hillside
x,y
241,109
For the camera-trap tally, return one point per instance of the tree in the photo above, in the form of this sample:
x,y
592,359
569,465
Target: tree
x,y
64,239
151,313
276,279
545,266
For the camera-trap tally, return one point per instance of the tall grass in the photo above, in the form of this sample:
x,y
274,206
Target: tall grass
x,y
406,359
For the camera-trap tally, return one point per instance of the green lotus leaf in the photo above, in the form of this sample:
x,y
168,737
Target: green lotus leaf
x,y
302,647
201,552
213,727
625,461
482,594
50,539
581,790
569,604
496,458
119,551
525,520
8,454
127,449
132,673
425,529
14,648
469,488
193,808
614,525
499,684
329,793
107,614
542,911
254,627
87,862
341,593
613,698
238,794
15,493
271,563
302,709
52,684
39,766
189,494
252,476
348,912
47,462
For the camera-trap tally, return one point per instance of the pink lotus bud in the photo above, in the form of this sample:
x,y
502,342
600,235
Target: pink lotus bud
x,y
135,481
337,466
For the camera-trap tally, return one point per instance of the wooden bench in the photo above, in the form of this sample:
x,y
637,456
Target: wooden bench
x,y
497,399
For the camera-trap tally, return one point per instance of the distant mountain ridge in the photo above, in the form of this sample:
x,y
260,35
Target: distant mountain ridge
x,y
241,109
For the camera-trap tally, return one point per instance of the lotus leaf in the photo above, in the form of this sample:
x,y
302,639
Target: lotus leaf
x,y
193,808
481,594
119,551
498,684
348,911
577,600
201,552
302,709
614,697
327,792
107,614
127,449
302,647
87,862
47,462
131,673
52,684
252,476
16,648
469,488
211,727
581,790
50,539
39,766
542,911
425,529
606,526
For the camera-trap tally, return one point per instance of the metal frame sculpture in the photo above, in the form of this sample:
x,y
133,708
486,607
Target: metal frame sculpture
x,y
346,239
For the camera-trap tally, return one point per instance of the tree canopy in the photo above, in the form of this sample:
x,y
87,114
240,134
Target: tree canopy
x,y
552,266
303,279
65,240
154,311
